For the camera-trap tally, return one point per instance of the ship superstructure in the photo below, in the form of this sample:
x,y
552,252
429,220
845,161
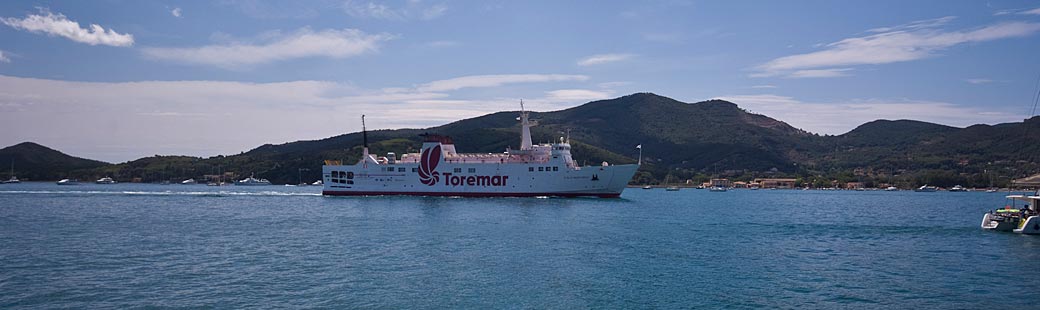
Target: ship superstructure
x,y
438,170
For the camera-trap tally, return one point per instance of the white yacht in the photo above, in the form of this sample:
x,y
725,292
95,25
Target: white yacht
x,y
1023,219
317,183
188,182
105,180
958,188
891,189
927,189
717,189
251,181
68,182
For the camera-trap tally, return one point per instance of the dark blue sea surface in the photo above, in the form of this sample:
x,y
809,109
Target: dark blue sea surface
x,y
142,245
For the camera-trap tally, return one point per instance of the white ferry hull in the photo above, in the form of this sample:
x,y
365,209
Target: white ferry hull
x,y
488,180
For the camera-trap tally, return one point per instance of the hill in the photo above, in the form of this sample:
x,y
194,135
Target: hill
x,y
36,162
680,140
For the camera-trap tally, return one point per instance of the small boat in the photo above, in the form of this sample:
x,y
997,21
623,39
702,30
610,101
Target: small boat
x,y
1023,221
672,188
891,189
992,190
647,187
318,183
13,178
105,180
958,188
251,181
926,189
189,182
717,189
68,182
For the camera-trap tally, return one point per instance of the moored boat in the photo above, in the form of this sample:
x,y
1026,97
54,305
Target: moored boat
x,y
958,188
251,181
68,182
189,182
105,180
926,189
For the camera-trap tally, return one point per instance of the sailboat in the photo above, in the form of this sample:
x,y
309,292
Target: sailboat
x,y
13,178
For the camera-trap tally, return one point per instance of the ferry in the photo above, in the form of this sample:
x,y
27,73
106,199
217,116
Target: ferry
x,y
438,170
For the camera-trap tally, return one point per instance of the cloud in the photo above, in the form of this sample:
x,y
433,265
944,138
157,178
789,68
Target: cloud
x,y
603,58
819,73
176,12
1034,11
496,80
412,10
581,95
136,119
303,43
979,81
3,57
902,43
59,25
840,117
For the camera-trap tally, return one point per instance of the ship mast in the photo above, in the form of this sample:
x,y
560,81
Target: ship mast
x,y
364,137
525,123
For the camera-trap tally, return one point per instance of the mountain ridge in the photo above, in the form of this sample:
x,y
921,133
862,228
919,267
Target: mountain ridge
x,y
684,140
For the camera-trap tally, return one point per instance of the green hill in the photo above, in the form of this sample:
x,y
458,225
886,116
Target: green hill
x,y
681,140
36,162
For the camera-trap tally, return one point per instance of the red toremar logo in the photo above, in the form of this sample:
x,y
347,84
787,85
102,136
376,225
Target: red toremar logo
x,y
428,162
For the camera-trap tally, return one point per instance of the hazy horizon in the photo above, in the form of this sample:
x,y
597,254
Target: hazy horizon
x,y
120,81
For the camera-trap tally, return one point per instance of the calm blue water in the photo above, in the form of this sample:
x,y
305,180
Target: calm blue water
x,y
133,245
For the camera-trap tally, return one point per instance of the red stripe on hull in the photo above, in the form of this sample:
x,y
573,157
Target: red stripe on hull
x,y
359,193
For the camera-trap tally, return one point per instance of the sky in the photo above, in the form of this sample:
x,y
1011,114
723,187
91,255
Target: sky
x,y
119,80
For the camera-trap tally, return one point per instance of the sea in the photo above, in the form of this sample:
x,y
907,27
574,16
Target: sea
x,y
122,246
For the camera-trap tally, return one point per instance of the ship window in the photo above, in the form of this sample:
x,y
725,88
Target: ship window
x,y
415,169
400,169
457,170
350,181
335,174
541,168
548,169
472,170
530,168
350,174
556,168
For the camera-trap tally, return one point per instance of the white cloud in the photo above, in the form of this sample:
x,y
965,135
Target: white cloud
x,y
820,73
59,25
603,58
1035,11
176,12
908,42
581,95
136,119
301,44
979,81
840,117
412,10
496,80
3,57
